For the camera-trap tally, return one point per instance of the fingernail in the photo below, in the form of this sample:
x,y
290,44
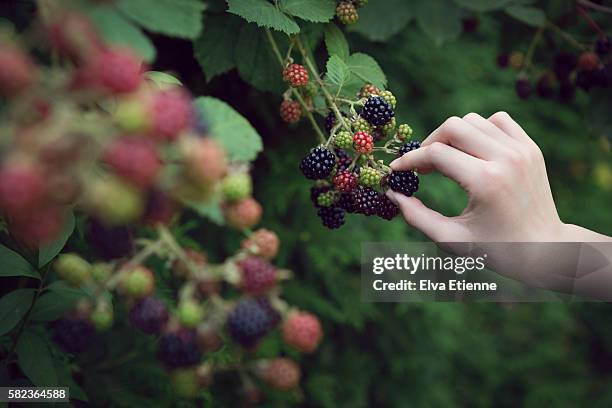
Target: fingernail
x,y
391,196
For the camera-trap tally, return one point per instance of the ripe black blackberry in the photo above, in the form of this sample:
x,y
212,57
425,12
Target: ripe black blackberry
x,y
149,315
273,314
408,147
331,217
584,79
523,88
110,242
249,322
179,349
73,334
566,91
345,202
377,111
318,164
386,208
315,191
405,182
344,160
365,200
603,46
330,121
544,86
564,64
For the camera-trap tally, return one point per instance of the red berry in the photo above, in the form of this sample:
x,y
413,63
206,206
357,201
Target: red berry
x,y
37,227
588,61
204,159
74,35
303,331
295,75
171,112
262,242
257,275
368,90
197,260
160,208
116,69
363,142
243,214
135,160
345,181
281,373
22,188
17,71
290,111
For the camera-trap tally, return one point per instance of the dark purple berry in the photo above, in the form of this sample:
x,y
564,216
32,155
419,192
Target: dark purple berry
x,y
523,88
318,164
249,322
566,91
544,86
386,208
149,315
110,242
365,200
331,217
377,111
179,349
405,182
503,60
564,64
73,334
345,201
603,46
408,147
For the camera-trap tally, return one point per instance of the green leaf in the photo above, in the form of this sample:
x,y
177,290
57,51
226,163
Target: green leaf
x,y
529,15
13,264
240,140
256,63
34,358
176,18
56,301
337,74
317,11
381,21
335,42
210,209
116,29
214,49
163,80
367,69
13,306
439,19
47,253
482,5
264,14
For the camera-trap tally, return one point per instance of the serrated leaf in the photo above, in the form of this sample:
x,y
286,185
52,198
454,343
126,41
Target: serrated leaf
x,y
439,19
116,29
13,264
214,49
34,358
48,252
176,18
256,63
482,5
335,42
57,300
528,15
239,139
13,306
384,19
317,11
264,14
367,69
337,74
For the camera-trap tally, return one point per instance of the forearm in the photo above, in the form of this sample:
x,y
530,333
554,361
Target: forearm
x,y
576,233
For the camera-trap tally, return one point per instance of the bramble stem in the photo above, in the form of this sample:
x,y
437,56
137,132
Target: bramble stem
x,y
532,48
567,37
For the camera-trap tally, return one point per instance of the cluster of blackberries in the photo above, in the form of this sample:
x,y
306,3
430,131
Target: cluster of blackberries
x,y
349,179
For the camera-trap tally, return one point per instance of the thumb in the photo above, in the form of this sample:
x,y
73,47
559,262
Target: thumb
x,y
433,224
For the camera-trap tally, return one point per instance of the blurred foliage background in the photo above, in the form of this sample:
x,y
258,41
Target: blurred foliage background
x,y
430,355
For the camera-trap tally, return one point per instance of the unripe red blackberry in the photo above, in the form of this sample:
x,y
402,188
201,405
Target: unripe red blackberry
x,y
197,259
204,159
331,217
290,111
73,35
243,214
347,13
135,160
405,182
171,113
118,70
363,142
368,90
302,331
295,75
17,72
160,208
523,88
22,187
73,334
137,281
345,181
179,348
588,61
280,373
149,315
257,275
318,164
262,242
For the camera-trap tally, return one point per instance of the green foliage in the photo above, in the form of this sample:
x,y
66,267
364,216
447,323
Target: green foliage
x,y
48,252
528,15
382,21
317,11
13,264
35,360
264,14
12,308
439,19
336,43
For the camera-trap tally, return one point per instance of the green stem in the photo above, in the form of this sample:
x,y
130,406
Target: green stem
x,y
532,48
567,37
295,93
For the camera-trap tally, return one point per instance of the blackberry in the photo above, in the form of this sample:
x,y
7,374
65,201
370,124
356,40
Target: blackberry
x,y
73,334
110,242
250,321
588,61
564,64
389,97
523,88
257,275
584,79
377,111
318,164
408,147
365,200
331,217
344,160
330,121
316,191
179,349
405,182
273,314
327,199
343,140
345,201
149,315
544,86
503,60
566,91
603,46
369,176
404,131
386,208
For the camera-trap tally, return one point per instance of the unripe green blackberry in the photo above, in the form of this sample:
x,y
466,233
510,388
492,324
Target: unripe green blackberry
x,y
327,199
347,13
190,313
369,176
343,139
389,97
102,317
137,282
100,272
72,268
360,3
361,125
236,187
403,132
389,127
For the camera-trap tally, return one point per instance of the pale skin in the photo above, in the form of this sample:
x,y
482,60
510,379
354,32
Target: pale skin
x,y
503,172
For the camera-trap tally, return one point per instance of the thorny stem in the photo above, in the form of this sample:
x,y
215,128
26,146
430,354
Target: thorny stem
x,y
532,47
591,22
295,93
595,6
